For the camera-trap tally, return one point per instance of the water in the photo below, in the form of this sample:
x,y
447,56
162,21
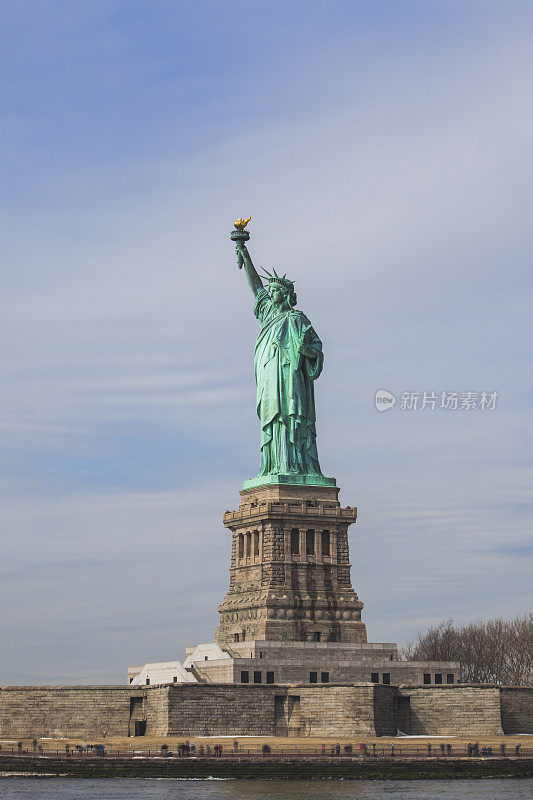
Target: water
x,y
28,788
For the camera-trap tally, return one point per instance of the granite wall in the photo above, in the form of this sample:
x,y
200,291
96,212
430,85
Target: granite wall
x,y
85,711
453,710
218,710
298,710
339,710
64,711
264,710
517,709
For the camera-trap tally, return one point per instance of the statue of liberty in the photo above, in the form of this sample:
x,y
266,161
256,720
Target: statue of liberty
x,y
288,359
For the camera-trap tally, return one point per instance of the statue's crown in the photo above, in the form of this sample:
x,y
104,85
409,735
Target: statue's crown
x,y
275,278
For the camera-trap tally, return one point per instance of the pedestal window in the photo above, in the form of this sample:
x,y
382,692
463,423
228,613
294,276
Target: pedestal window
x,y
295,542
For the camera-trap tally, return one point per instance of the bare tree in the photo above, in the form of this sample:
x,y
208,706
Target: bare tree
x,y
496,651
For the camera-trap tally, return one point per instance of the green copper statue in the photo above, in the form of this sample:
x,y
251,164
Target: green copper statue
x,y
288,359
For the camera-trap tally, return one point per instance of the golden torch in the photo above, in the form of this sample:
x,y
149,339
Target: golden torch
x,y
240,235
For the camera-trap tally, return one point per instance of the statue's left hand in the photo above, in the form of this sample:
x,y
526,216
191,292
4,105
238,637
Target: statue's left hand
x,y
304,350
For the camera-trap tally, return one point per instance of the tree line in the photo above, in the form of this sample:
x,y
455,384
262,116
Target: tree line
x,y
496,651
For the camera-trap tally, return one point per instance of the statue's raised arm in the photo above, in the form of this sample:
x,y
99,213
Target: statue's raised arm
x,y
254,281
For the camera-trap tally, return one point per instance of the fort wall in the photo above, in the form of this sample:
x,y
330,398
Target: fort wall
x,y
453,710
364,709
517,709
337,710
64,711
218,710
55,711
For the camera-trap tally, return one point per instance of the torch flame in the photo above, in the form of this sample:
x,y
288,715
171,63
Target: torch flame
x,y
241,224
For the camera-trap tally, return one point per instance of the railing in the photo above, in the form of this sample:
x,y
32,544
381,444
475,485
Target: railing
x,y
354,752
283,507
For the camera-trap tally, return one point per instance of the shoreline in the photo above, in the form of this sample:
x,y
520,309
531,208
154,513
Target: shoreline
x,y
272,767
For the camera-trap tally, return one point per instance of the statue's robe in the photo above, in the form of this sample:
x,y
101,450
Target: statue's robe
x,y
285,393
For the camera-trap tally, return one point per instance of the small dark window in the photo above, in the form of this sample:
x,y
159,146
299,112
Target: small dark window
x,y
438,677
374,677
450,677
316,636
245,676
391,657
270,677
326,543
256,544
243,636
175,678
427,678
248,545
206,658
386,678
324,677
313,677
241,545
148,681
295,541
131,680
236,637
260,655
310,543
257,676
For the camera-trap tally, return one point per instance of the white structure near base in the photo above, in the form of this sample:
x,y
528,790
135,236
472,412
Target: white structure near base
x,y
162,672
204,652
291,662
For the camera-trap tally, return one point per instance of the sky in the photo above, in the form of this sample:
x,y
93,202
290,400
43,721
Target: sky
x,y
383,150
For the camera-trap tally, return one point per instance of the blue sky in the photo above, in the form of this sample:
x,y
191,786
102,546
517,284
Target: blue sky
x,y
384,152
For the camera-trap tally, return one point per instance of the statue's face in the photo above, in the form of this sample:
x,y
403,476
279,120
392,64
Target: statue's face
x,y
277,293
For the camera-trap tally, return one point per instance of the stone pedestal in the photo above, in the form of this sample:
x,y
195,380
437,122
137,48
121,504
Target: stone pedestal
x,y
290,570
